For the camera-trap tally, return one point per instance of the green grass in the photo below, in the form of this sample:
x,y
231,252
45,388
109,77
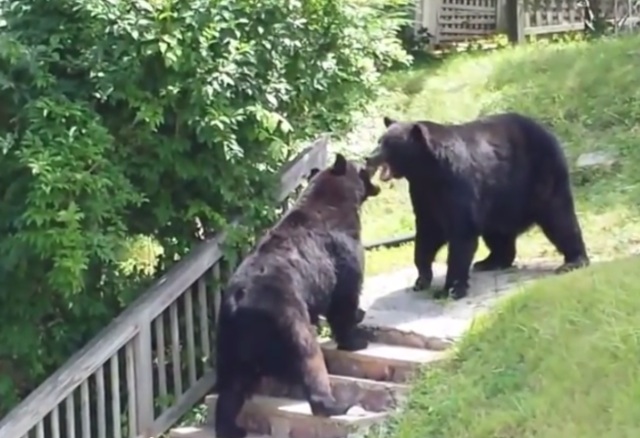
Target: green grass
x,y
559,359
587,92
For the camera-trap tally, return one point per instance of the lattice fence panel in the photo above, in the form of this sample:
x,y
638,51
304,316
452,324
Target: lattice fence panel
x,y
466,19
546,16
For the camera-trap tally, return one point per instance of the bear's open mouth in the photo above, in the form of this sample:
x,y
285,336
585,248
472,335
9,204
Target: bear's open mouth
x,y
385,172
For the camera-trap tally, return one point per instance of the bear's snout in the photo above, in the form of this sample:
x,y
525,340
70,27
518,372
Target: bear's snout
x,y
374,161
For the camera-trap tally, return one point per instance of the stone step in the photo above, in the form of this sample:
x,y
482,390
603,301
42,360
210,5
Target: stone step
x,y
379,362
286,418
379,326
201,432
373,396
405,338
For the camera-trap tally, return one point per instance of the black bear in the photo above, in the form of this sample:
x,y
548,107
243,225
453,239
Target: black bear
x,y
493,177
309,264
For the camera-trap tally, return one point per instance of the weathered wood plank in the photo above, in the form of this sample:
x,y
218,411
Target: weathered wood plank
x,y
115,397
71,416
555,28
190,333
189,398
101,417
132,393
161,348
203,317
55,423
314,156
143,372
176,364
85,409
515,16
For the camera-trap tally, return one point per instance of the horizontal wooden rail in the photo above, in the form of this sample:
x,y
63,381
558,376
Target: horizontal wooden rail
x,y
390,242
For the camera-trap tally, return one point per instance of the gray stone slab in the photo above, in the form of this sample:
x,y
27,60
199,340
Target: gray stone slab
x,y
390,302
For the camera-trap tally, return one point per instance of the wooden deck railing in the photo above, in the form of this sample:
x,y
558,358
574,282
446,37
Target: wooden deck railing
x,y
138,376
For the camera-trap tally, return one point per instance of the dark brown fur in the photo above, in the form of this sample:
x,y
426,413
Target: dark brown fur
x,y
493,177
309,264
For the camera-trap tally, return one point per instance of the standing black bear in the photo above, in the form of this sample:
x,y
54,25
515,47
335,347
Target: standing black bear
x,y
309,264
493,177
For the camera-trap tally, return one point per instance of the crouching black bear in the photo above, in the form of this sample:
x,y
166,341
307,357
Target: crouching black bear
x,y
493,177
309,264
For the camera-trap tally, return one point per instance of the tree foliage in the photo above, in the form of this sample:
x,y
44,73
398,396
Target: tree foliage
x,y
127,118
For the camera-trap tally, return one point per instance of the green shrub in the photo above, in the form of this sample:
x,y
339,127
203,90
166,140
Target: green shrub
x,y
135,118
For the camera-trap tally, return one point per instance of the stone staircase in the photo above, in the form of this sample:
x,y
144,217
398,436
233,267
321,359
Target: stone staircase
x,y
373,379
406,331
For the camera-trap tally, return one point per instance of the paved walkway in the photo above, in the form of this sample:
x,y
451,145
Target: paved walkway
x,y
389,300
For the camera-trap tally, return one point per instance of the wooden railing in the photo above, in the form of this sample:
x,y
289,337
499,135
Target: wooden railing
x,y
138,376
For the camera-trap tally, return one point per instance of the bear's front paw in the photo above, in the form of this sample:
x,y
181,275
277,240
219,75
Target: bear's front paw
x,y
354,342
456,293
491,264
360,314
230,431
328,407
423,282
569,266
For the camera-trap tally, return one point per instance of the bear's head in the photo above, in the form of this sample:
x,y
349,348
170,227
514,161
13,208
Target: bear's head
x,y
398,151
351,176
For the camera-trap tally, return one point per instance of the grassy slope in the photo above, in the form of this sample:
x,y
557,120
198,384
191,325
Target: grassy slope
x,y
558,360
589,93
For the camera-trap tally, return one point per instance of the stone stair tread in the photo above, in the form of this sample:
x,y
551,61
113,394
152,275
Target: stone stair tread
x,y
389,353
295,408
357,381
436,324
368,382
201,432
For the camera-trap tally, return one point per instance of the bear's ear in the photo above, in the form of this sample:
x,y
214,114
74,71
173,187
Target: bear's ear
x,y
388,121
339,167
313,172
417,133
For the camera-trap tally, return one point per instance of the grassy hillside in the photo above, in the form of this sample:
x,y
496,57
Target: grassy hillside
x,y
560,359
587,92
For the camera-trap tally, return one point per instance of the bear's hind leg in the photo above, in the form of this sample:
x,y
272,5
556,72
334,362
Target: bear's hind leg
x,y
360,314
314,374
344,312
237,377
231,398
559,224
461,252
343,317
502,252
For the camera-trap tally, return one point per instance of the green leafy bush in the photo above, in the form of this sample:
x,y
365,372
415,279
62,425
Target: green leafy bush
x,y
135,118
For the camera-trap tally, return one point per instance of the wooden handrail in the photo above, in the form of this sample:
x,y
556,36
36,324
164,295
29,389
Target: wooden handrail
x,y
140,314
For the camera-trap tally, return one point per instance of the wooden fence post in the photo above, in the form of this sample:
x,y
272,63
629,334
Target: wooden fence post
x,y
430,13
143,373
501,18
515,20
